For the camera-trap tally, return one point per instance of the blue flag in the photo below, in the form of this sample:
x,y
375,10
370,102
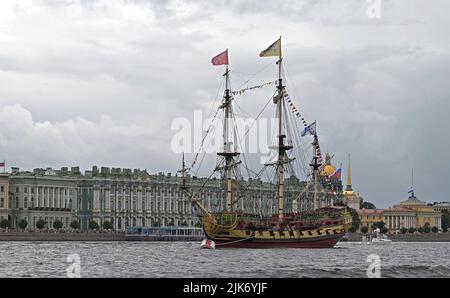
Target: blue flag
x,y
310,129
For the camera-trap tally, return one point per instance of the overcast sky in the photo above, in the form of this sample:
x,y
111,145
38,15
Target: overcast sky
x,y
100,82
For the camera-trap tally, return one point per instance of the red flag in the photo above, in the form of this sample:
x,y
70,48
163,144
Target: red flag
x,y
221,59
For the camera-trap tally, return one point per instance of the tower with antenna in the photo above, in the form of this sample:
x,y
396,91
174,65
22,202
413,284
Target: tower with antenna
x,y
411,188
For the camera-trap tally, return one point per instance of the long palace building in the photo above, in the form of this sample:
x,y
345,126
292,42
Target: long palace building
x,y
127,198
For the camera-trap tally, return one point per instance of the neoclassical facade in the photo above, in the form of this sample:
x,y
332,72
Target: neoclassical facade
x,y
411,213
129,198
4,191
425,214
132,198
41,194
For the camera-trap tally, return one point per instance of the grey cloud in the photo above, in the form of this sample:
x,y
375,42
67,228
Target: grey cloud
x,y
104,79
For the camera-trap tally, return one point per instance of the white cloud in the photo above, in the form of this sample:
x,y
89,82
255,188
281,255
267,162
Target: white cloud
x,y
28,143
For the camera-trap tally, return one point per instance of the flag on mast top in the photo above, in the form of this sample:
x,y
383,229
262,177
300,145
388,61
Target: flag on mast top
x,y
221,59
273,50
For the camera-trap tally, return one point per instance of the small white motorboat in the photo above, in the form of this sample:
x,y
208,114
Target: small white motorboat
x,y
382,239
379,238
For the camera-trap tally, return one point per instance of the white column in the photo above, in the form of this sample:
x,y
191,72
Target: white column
x,y
39,197
139,199
50,198
60,198
74,198
108,200
96,194
57,196
44,197
66,197
116,200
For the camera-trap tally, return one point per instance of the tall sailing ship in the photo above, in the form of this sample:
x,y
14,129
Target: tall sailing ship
x,y
316,226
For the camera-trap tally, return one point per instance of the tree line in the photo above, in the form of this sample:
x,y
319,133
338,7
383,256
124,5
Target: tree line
x,y
57,224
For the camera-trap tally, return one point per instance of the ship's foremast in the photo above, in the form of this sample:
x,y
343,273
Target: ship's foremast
x,y
229,152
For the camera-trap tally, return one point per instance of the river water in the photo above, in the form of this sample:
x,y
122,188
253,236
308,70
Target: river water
x,y
186,259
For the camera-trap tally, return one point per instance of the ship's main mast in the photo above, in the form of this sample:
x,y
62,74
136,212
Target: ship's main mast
x,y
228,151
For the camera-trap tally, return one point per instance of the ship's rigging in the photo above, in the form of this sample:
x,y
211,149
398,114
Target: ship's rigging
x,y
290,122
308,224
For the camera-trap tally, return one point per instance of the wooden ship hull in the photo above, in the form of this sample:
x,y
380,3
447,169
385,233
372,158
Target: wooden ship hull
x,y
291,233
318,239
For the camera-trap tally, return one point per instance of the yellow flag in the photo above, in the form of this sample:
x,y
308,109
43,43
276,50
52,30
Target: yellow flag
x,y
273,50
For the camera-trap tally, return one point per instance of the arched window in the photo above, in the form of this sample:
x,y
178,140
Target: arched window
x,y
2,203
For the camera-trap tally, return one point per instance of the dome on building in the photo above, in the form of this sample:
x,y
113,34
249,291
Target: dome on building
x,y
328,169
350,193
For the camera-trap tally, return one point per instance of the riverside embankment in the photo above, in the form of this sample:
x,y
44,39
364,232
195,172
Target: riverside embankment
x,y
61,236
425,237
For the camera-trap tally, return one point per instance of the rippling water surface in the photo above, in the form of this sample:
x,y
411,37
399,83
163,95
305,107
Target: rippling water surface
x,y
186,259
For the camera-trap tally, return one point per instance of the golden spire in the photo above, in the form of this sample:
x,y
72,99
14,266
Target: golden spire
x,y
349,176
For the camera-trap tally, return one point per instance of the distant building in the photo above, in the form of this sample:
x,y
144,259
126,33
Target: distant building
x,y
42,194
369,217
441,207
425,215
411,213
129,198
4,190
398,217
